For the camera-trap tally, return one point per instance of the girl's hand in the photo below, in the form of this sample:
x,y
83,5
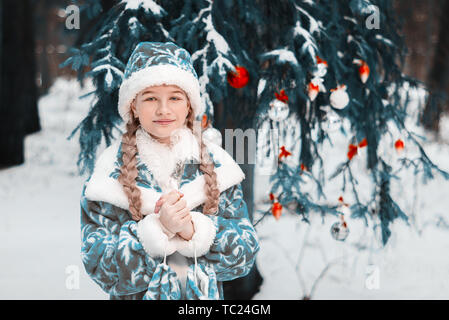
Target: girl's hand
x,y
174,215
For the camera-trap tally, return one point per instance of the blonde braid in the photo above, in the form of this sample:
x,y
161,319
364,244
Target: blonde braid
x,y
207,167
128,171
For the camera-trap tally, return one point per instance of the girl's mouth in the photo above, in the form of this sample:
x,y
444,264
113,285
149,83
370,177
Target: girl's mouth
x,y
164,122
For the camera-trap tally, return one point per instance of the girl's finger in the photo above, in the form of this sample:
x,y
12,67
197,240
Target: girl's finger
x,y
172,197
186,219
184,212
179,205
159,204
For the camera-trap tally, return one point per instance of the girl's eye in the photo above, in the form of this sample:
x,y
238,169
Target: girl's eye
x,y
152,98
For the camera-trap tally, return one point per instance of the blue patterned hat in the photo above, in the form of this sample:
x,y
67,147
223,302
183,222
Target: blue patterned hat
x,y
154,64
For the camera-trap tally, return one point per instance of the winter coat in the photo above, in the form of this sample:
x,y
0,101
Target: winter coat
x,y
127,259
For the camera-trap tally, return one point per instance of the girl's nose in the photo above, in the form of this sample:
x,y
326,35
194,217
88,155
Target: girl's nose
x,y
163,107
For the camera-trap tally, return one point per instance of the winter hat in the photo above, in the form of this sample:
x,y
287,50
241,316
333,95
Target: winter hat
x,y
157,63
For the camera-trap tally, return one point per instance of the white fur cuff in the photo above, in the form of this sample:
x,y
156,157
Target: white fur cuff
x,y
152,238
203,237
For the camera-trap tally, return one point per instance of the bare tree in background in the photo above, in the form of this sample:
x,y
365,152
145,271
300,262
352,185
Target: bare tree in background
x,y
18,109
425,25
438,76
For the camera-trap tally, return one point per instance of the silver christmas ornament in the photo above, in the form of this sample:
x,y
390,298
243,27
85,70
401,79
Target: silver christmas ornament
x,y
331,122
340,231
278,110
339,98
320,70
212,135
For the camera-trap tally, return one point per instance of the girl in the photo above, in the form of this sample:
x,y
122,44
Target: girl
x,y
163,215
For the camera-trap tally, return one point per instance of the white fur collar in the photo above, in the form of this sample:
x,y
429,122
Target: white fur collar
x,y
161,159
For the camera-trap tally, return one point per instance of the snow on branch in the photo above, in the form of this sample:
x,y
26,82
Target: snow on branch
x,y
282,56
147,5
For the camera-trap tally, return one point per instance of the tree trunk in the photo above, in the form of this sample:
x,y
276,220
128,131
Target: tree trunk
x,y
18,109
438,77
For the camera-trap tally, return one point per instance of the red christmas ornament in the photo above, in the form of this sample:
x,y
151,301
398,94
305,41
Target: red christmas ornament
x,y
312,91
399,145
271,196
204,122
364,72
281,96
352,151
319,60
284,153
239,78
303,167
363,69
276,210
363,143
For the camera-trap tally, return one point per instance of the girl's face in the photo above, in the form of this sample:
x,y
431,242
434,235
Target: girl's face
x,y
161,109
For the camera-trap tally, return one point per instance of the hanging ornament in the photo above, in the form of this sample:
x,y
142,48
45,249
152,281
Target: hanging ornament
x,y
278,107
278,110
281,96
363,69
321,68
213,135
399,145
352,151
204,122
276,207
276,210
284,153
321,61
339,98
314,87
316,84
343,207
331,121
312,91
363,143
239,78
340,230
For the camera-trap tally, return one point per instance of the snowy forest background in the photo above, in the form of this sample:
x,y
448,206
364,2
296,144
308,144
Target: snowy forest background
x,y
40,185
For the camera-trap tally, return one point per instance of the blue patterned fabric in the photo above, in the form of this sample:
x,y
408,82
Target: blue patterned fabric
x,y
201,285
164,284
115,259
147,54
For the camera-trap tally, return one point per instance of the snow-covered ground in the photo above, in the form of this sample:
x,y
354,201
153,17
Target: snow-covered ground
x,y
40,229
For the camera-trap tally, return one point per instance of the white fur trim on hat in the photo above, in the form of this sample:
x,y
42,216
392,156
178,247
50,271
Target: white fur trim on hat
x,y
155,76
